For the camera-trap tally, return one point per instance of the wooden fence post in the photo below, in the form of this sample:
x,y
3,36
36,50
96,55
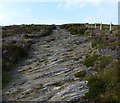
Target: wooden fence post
x,y
101,26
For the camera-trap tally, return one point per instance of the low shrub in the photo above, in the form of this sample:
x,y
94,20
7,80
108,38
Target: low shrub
x,y
26,29
7,65
89,61
104,87
5,78
77,30
11,54
103,61
99,44
15,52
96,88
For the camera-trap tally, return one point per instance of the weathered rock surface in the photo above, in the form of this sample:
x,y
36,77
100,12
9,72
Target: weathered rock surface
x,y
48,73
115,53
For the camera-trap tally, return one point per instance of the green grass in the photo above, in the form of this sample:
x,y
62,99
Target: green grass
x,y
77,30
89,61
103,61
103,87
102,45
96,87
99,44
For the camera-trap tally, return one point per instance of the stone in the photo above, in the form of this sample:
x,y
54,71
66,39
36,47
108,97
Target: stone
x,y
53,62
20,83
72,91
13,90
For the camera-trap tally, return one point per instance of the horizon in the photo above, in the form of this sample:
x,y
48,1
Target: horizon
x,y
61,24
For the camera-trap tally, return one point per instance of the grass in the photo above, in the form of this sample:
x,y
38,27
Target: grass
x,y
6,78
57,84
99,44
80,74
103,87
27,29
15,51
102,45
103,61
96,87
75,29
89,61
12,55
7,65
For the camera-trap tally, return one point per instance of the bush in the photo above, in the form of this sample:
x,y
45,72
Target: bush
x,y
15,52
77,30
96,88
99,44
103,61
11,55
26,29
104,87
5,78
7,65
89,61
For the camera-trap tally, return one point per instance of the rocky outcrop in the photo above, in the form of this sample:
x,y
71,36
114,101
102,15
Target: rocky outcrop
x,y
48,73
115,53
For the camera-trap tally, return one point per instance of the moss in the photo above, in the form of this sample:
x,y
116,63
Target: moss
x,y
80,74
83,79
57,84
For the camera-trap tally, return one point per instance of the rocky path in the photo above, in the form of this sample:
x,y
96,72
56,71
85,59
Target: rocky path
x,y
48,73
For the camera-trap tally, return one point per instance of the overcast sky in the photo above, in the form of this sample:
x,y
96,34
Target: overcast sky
x,y
51,12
